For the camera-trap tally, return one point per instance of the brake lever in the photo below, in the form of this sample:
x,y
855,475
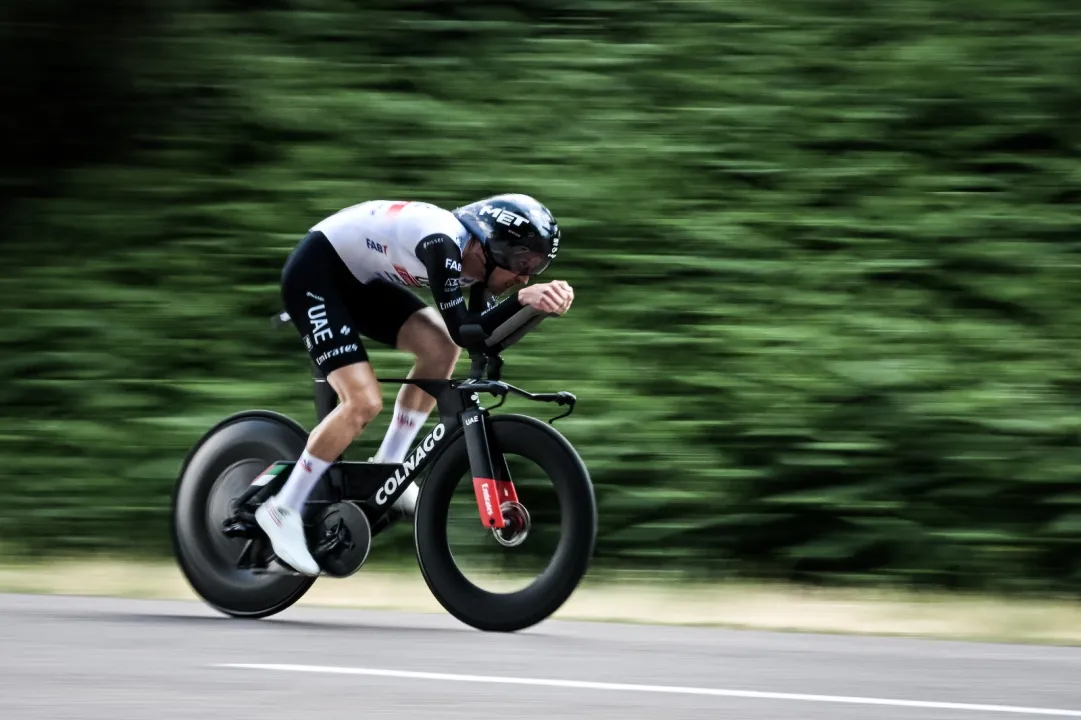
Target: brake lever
x,y
564,398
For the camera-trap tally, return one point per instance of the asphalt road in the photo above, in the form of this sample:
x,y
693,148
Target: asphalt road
x,y
88,658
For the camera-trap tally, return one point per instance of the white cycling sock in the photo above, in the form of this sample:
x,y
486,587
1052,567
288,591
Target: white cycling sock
x,y
403,429
305,475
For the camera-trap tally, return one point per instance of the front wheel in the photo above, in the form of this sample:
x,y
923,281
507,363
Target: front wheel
x,y
542,445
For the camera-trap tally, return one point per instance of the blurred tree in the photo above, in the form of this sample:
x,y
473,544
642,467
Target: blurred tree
x,y
825,254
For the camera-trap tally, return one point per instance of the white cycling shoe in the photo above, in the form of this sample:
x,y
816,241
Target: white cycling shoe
x,y
285,530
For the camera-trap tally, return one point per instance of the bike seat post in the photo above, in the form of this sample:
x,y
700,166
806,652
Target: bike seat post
x,y
325,397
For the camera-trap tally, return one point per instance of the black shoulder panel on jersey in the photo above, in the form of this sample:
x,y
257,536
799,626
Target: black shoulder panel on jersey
x,y
443,259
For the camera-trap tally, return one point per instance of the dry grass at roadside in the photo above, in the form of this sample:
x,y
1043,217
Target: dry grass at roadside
x,y
637,601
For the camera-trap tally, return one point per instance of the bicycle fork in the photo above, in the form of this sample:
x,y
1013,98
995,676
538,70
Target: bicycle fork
x,y
491,476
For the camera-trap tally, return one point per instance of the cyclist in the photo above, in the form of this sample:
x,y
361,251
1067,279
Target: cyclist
x,y
350,275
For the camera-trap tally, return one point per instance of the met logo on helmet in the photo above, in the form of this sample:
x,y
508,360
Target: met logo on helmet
x,y
504,217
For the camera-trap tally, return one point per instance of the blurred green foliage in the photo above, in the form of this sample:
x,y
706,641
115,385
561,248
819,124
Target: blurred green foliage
x,y
825,255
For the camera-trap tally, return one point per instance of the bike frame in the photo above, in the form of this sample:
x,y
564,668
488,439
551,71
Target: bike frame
x,y
375,487
459,406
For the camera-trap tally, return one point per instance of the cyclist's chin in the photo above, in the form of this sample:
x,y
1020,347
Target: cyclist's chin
x,y
499,284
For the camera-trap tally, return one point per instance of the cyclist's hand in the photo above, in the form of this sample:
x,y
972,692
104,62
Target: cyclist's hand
x,y
553,297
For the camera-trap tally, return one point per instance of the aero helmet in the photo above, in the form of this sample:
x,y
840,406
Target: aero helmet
x,y
517,232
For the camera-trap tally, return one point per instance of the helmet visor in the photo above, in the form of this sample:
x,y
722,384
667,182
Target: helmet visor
x,y
522,261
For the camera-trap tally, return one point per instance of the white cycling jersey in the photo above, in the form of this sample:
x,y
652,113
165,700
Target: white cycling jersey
x,y
378,239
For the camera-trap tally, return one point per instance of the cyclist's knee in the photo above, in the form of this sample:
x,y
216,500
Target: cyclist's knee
x,y
359,393
361,408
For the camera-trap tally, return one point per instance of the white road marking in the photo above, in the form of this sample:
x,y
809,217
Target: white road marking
x,y
625,687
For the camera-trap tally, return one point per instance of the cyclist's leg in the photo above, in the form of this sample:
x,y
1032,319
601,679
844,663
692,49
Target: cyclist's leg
x,y
314,283
404,322
359,402
424,336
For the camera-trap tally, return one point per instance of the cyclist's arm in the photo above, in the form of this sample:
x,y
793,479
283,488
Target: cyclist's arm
x,y
440,254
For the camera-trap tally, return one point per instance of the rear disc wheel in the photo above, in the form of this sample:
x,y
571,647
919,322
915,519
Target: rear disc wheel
x,y
218,471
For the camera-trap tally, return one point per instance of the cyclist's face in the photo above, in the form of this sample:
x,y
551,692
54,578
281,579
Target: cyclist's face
x,y
503,280
500,281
